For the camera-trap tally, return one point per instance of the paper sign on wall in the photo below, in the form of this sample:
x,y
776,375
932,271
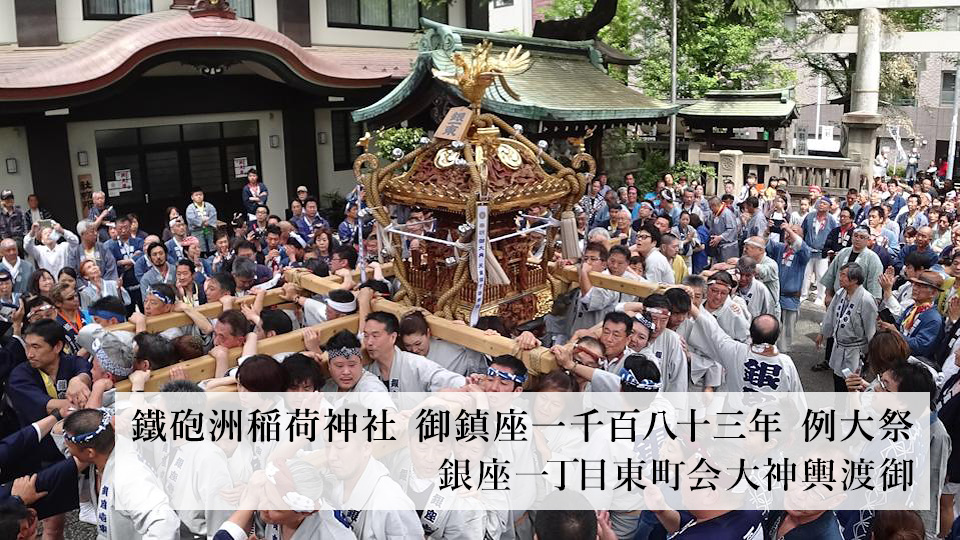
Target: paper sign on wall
x,y
240,167
123,182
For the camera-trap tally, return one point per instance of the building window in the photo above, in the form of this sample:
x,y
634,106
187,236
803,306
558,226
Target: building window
x,y
345,134
114,9
383,14
244,8
947,88
502,3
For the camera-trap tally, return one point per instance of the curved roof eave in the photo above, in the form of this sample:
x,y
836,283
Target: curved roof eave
x,y
116,51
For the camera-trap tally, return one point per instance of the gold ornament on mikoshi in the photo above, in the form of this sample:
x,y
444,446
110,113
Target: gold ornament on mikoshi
x,y
479,70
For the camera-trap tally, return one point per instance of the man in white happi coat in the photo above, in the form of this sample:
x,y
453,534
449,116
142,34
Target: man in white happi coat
x,y
615,335
706,372
130,502
371,503
587,355
656,267
295,487
665,348
730,315
193,473
417,468
347,376
599,300
503,385
758,367
590,305
756,295
851,320
399,370
768,272
416,338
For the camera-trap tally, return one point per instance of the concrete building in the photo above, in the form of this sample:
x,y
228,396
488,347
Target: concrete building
x,y
144,98
516,16
924,120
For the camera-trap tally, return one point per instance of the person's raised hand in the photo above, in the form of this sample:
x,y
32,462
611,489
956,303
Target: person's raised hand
x,y
855,383
289,292
177,373
138,379
527,341
311,339
953,308
887,278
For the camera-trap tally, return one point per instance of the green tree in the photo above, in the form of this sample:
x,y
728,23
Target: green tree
x,y
621,33
898,72
720,42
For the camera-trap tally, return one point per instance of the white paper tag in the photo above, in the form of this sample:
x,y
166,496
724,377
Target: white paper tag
x,y
482,219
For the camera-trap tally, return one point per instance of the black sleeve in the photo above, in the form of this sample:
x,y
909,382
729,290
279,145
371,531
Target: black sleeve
x,y
60,482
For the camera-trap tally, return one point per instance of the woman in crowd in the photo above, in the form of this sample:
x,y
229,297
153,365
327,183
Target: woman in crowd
x,y
347,232
67,275
49,254
222,255
135,229
172,213
191,252
326,244
41,283
96,287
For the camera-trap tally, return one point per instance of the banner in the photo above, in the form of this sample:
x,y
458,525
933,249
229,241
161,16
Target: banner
x,y
481,237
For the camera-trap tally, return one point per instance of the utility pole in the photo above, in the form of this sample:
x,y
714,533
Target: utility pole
x,y
819,99
673,86
952,152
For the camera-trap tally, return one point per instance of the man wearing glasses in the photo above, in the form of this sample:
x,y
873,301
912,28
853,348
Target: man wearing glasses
x,y
656,266
591,304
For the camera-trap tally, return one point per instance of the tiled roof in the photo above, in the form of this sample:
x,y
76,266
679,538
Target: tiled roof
x,y
395,63
115,51
565,83
748,104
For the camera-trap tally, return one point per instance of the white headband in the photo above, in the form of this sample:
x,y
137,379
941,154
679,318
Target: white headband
x,y
754,243
342,307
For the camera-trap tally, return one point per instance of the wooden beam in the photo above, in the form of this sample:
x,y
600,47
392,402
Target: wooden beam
x,y
640,289
159,323
849,5
538,360
890,42
203,367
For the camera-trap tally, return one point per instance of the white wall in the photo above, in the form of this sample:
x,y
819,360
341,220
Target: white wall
x,y
73,28
518,17
13,144
82,136
265,13
8,22
321,34
330,180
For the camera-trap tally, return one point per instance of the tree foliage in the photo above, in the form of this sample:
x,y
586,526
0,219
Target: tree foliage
x,y
720,42
898,72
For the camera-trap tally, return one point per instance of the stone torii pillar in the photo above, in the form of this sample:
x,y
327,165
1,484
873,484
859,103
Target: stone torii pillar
x,y
862,122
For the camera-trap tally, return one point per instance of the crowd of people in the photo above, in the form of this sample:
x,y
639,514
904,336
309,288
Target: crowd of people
x,y
734,268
